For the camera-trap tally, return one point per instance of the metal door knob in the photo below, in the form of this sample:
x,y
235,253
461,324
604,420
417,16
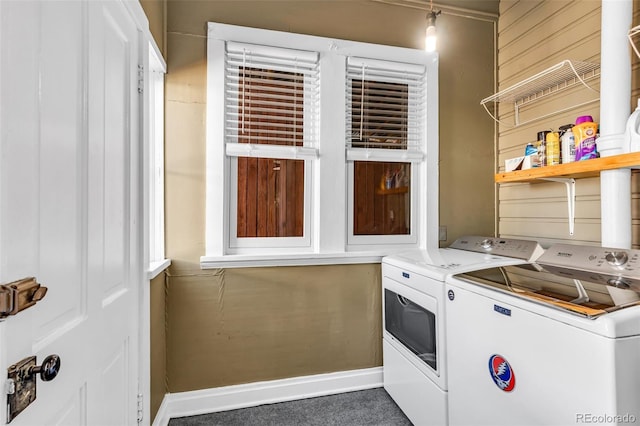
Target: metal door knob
x,y
49,368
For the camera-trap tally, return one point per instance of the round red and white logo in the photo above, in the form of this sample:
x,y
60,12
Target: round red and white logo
x,y
502,373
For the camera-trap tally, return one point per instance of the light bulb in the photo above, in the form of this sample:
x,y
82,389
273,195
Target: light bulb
x,y
430,39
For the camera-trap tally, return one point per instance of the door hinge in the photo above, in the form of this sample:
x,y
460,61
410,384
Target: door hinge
x,y
140,79
140,407
20,295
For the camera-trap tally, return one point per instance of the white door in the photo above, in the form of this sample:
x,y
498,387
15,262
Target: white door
x,y
69,204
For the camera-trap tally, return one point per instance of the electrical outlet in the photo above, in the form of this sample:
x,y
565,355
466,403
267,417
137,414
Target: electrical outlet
x,y
442,233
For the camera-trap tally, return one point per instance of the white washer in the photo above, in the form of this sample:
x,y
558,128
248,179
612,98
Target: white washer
x,y
413,295
544,343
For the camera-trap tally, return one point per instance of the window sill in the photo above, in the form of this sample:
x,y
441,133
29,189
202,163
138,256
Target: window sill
x,y
293,259
156,267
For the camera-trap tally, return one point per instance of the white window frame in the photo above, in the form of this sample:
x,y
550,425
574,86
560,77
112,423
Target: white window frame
x,y
154,70
414,154
410,240
329,206
307,152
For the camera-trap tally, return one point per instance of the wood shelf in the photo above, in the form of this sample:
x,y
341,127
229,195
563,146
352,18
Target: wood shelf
x,y
578,169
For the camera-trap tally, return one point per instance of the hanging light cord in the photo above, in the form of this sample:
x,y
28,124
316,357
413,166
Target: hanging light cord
x,y
431,16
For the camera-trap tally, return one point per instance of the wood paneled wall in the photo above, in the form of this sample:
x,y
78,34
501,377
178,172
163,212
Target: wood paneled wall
x,y
532,36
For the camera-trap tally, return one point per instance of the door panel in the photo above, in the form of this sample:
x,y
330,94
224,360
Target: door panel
x,y
60,165
117,65
113,378
113,254
69,209
110,142
73,411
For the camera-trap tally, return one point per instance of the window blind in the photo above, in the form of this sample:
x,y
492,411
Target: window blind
x,y
271,101
386,107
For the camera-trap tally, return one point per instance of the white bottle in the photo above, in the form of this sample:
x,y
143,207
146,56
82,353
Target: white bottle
x,y
568,142
633,130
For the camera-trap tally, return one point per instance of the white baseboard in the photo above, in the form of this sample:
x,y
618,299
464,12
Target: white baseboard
x,y
254,394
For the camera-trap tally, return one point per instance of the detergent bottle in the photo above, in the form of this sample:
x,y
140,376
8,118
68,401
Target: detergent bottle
x,y
553,149
584,133
633,130
568,143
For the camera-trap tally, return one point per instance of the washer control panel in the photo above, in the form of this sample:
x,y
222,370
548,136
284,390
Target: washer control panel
x,y
624,262
519,249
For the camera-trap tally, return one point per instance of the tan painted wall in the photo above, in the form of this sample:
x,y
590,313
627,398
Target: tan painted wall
x,y
155,11
253,324
243,325
466,131
533,36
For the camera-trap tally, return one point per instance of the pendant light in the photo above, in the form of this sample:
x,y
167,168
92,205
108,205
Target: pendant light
x,y
431,36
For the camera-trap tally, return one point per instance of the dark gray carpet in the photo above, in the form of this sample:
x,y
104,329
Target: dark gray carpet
x,y
367,407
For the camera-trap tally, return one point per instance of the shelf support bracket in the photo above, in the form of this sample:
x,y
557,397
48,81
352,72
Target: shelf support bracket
x,y
570,183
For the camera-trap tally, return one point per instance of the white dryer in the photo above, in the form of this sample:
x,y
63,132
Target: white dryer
x,y
544,343
413,295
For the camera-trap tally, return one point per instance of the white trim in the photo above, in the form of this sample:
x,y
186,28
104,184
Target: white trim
x,y
217,163
153,95
156,267
385,155
430,175
257,49
401,67
151,131
284,39
259,393
292,259
271,151
142,22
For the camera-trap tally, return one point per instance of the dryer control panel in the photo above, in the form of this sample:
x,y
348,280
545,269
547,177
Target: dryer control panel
x,y
519,249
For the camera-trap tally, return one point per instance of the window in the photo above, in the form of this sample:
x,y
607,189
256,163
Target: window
x,y
154,161
271,97
270,195
318,150
385,103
